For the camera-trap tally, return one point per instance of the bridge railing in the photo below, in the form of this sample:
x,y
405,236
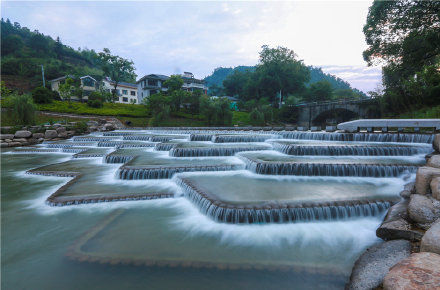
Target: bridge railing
x,y
337,102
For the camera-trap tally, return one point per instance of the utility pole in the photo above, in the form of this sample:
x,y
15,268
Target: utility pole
x,y
42,73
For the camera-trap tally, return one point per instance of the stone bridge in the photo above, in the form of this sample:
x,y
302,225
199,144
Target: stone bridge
x,y
333,112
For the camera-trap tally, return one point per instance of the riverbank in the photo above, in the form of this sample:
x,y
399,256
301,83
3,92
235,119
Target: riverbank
x,y
410,256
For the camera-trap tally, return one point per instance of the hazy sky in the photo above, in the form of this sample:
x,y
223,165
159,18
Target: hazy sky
x,y
172,37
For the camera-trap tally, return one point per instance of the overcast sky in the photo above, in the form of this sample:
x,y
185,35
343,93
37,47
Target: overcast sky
x,y
172,37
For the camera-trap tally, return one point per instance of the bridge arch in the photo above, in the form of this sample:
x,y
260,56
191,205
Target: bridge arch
x,y
334,116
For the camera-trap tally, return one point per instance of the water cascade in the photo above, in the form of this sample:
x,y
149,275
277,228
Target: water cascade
x,y
361,137
359,150
168,172
212,151
322,169
281,213
241,138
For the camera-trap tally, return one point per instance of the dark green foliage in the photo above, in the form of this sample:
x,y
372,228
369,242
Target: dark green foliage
x,y
23,53
320,91
42,95
80,127
405,36
256,117
96,100
24,109
216,112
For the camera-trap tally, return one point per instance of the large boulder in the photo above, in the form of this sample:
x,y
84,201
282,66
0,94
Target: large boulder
x,y
418,271
435,188
396,226
436,143
23,134
50,134
434,161
423,178
424,210
431,239
372,266
109,127
61,129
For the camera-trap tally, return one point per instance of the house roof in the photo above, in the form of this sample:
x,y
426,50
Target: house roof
x,y
123,84
87,77
153,76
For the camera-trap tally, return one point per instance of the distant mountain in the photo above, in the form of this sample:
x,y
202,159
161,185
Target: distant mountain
x,y
316,75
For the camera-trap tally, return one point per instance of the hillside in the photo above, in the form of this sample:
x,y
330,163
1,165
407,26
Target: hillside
x,y
24,51
316,74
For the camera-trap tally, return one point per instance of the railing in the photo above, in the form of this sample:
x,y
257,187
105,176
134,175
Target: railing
x,y
337,102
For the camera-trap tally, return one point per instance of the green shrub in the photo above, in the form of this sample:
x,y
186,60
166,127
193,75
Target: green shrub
x,y
256,117
95,103
42,95
80,127
24,109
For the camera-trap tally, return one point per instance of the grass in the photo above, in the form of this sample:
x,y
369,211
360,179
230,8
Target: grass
x,y
240,118
425,113
7,119
109,109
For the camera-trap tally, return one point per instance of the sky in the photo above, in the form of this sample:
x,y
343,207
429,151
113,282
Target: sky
x,y
168,37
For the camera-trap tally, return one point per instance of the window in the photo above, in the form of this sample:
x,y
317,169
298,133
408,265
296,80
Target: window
x,y
88,82
124,92
118,92
152,83
133,93
152,92
125,99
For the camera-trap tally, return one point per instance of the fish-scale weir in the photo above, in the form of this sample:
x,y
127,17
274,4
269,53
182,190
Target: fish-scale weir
x,y
241,138
322,169
360,137
212,151
167,172
341,150
280,212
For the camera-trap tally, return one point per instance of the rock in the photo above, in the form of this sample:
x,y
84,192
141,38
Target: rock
x,y
70,133
423,178
418,271
40,140
50,134
372,266
436,143
434,161
14,144
431,239
23,134
3,144
396,226
109,127
93,128
60,130
62,134
424,210
6,136
38,135
21,140
435,188
92,123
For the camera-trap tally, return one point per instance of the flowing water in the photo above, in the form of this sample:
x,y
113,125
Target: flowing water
x,y
170,209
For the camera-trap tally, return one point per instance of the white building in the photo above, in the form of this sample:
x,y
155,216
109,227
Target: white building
x,y
153,83
126,92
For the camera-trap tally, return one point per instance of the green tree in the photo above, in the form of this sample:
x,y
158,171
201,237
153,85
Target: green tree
x,y
159,106
280,73
256,117
42,95
117,68
24,109
320,91
174,83
404,36
12,43
66,89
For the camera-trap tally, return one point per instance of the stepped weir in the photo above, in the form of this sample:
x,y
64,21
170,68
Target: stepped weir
x,y
251,176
